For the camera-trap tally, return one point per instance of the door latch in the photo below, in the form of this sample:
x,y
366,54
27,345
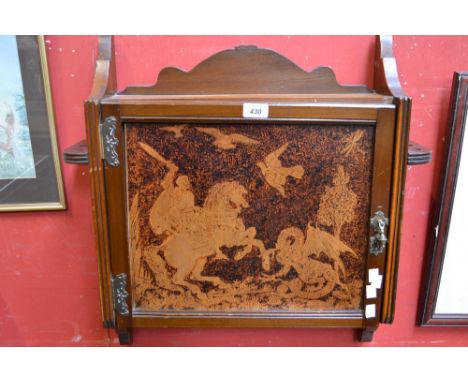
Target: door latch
x,y
378,241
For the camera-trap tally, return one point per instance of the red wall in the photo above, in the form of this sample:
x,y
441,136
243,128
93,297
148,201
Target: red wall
x,y
48,272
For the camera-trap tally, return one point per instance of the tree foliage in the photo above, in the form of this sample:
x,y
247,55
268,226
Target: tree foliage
x,y
337,204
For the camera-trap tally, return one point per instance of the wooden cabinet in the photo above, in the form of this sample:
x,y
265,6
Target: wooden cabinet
x,y
247,193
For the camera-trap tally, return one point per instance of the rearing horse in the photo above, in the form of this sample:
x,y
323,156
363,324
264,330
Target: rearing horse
x,y
194,233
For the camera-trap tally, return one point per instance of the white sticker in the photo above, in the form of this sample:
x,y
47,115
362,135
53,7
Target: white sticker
x,y
255,110
370,311
371,292
374,278
375,282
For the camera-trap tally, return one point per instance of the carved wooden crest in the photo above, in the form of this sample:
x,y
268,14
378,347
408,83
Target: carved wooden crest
x,y
246,70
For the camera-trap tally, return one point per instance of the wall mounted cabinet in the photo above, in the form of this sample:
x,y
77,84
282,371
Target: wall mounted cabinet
x,y
247,193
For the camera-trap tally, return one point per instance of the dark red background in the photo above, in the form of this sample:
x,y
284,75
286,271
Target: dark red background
x,y
48,273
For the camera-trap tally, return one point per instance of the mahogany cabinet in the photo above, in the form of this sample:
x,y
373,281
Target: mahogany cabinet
x,y
247,193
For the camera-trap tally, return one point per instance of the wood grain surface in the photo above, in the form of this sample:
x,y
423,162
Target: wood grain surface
x,y
245,217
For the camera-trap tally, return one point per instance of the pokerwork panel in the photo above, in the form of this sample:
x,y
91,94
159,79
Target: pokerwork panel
x,y
248,217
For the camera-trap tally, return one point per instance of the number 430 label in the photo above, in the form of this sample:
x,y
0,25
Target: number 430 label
x,y
255,110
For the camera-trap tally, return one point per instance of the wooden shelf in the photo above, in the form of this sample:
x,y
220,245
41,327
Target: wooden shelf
x,y
78,154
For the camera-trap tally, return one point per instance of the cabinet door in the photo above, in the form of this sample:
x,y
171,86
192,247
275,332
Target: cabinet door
x,y
269,220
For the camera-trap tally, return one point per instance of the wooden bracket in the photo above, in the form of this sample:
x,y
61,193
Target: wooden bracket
x,y
104,83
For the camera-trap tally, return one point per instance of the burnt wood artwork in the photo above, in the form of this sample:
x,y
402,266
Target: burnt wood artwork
x,y
208,216
276,225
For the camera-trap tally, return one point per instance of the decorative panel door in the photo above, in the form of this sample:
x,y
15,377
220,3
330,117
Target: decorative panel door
x,y
253,218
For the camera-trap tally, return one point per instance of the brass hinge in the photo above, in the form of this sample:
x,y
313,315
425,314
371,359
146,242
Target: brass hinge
x,y
120,294
109,141
378,241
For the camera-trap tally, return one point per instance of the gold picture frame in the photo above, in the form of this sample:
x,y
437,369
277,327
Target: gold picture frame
x,y
29,115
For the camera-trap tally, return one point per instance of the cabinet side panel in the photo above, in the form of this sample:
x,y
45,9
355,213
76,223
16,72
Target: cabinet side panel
x,y
99,214
397,203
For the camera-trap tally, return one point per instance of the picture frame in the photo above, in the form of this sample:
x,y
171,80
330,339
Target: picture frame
x,y
444,297
30,171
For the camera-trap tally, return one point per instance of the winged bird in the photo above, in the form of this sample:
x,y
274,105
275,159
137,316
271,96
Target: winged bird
x,y
227,141
274,172
177,130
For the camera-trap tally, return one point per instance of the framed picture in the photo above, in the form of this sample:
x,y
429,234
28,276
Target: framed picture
x,y
444,300
30,174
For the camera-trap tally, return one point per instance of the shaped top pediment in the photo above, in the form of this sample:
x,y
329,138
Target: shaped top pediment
x,y
246,70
